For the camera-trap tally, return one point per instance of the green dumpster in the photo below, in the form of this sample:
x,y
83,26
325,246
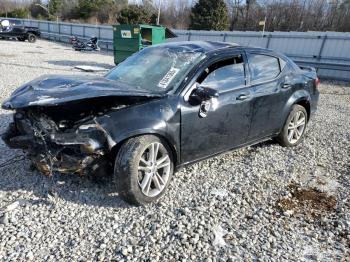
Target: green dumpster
x,y
129,39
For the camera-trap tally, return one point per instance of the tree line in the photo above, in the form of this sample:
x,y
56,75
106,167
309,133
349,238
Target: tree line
x,y
246,15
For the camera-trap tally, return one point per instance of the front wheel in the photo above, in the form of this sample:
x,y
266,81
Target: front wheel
x,y
294,128
143,169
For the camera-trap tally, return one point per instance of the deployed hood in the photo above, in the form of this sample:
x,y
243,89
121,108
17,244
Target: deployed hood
x,y
54,90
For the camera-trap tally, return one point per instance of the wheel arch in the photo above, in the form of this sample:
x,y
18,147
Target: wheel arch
x,y
306,104
300,97
174,151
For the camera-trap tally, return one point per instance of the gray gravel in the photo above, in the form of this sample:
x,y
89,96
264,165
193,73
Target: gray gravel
x,y
225,208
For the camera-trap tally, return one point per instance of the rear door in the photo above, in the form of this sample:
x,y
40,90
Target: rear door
x,y
270,92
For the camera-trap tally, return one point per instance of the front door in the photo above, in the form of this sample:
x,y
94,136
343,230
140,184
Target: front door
x,y
226,123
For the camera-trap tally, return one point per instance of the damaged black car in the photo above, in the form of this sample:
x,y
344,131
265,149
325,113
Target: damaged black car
x,y
164,107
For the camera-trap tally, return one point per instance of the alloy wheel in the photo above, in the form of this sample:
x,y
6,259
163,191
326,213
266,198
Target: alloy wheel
x,y
296,127
154,169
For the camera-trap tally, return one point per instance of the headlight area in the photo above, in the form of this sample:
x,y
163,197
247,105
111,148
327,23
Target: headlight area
x,y
80,151
88,137
77,150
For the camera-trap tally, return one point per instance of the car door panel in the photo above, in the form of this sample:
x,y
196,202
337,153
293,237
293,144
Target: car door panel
x,y
225,126
17,31
268,101
11,32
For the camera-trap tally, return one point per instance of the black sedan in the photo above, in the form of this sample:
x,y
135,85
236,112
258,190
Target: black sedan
x,y
164,107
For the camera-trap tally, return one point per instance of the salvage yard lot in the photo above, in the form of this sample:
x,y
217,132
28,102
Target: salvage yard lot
x,y
262,202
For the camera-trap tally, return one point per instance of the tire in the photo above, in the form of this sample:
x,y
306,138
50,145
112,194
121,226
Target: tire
x,y
22,39
31,38
138,182
292,134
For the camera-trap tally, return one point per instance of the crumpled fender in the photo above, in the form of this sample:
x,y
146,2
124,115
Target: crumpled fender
x,y
155,117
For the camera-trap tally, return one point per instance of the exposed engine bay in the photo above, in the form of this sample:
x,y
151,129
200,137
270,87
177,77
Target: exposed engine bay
x,y
65,138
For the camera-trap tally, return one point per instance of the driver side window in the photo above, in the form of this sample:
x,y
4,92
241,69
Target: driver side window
x,y
224,75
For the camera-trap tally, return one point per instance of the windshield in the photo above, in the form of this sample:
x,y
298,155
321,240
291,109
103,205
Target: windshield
x,y
157,68
16,22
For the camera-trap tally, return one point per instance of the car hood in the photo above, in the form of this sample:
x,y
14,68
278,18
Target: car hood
x,y
54,90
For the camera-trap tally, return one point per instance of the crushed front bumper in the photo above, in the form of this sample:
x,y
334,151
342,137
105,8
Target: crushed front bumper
x,y
73,151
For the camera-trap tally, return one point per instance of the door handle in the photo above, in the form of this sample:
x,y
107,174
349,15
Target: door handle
x,y
286,86
242,96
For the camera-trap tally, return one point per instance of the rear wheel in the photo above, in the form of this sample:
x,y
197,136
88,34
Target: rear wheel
x,y
22,39
143,169
31,38
294,128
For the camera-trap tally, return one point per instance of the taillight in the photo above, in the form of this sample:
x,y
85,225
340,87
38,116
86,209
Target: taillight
x,y
317,82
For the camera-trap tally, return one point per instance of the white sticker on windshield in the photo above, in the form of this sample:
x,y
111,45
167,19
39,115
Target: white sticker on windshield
x,y
168,77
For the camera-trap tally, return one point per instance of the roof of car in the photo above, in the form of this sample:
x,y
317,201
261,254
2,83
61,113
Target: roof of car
x,y
212,46
201,46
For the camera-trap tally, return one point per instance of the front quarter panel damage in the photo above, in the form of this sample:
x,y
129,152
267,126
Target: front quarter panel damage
x,y
160,117
80,142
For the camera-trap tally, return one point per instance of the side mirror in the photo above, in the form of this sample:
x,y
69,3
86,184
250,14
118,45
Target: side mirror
x,y
202,94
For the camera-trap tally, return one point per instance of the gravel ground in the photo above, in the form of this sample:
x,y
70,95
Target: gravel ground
x,y
263,202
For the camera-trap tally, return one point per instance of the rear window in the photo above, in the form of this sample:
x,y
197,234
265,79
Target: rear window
x,y
263,67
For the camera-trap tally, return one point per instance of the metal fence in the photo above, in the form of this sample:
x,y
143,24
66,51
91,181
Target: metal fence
x,y
328,52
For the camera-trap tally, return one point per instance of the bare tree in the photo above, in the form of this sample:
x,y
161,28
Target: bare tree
x,y
281,15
